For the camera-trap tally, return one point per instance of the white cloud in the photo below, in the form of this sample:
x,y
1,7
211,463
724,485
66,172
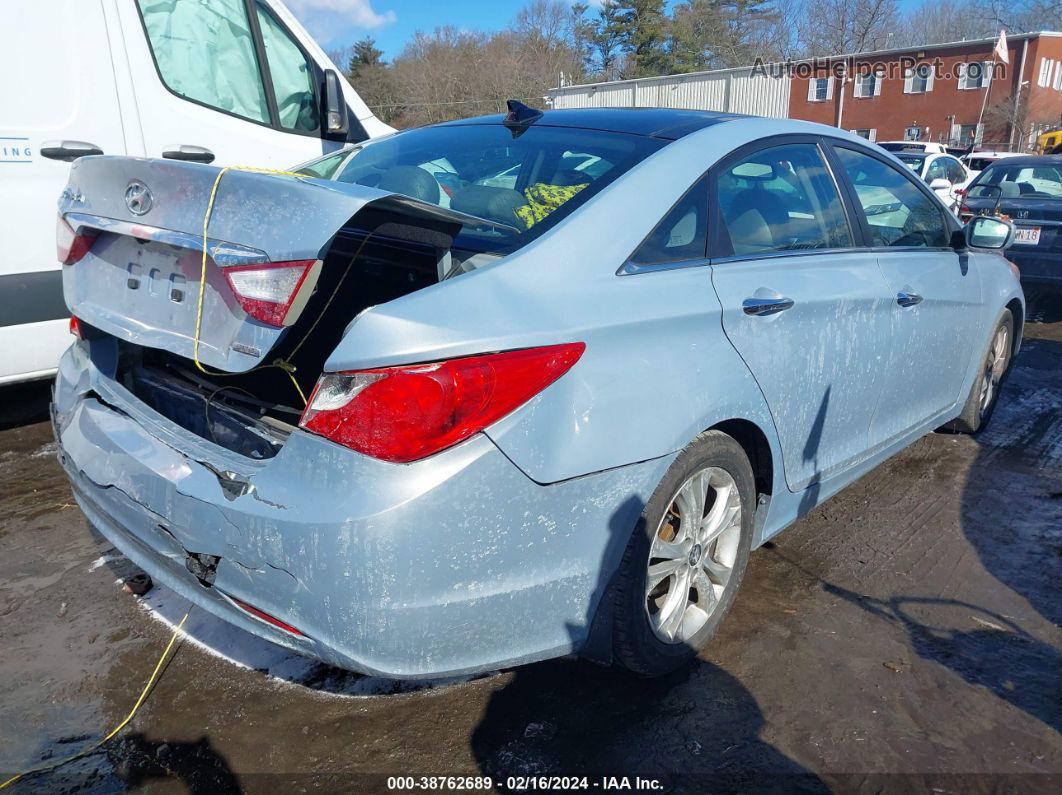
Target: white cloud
x,y
359,13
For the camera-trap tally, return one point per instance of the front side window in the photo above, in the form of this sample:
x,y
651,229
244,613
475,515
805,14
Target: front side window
x,y
291,75
937,170
956,174
682,235
520,186
205,52
897,212
781,199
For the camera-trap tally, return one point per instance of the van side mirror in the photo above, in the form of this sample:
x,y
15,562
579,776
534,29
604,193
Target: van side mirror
x,y
335,107
984,231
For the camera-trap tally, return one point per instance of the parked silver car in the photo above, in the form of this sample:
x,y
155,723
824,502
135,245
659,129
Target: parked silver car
x,y
542,419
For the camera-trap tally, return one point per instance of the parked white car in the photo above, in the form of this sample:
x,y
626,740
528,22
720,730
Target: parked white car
x,y
202,81
945,175
976,162
913,146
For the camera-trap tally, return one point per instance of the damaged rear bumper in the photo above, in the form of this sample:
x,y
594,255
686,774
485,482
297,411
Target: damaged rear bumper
x,y
456,564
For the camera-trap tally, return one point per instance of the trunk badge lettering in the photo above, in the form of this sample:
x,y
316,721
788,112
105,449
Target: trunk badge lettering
x,y
239,347
138,198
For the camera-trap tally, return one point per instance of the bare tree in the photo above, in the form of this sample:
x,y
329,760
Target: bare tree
x,y
834,27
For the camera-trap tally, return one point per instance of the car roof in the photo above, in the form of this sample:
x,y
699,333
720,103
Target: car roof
x,y
1029,160
667,123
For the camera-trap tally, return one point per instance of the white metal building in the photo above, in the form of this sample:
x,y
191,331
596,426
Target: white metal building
x,y
728,90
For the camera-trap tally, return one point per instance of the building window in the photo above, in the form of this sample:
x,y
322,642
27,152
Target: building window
x,y
820,89
1047,65
966,134
974,75
868,85
912,134
871,134
919,80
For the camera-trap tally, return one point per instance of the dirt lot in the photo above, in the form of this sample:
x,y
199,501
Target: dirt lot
x,y
904,636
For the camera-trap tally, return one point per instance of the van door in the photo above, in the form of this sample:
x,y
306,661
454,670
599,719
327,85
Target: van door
x,y
59,101
223,81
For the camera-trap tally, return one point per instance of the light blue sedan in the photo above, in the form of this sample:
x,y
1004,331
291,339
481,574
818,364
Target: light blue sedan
x,y
418,422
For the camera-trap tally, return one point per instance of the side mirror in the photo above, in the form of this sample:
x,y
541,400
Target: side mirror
x,y
335,107
940,184
984,231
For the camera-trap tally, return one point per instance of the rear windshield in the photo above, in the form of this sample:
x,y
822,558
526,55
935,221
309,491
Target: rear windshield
x,y
913,162
1014,182
525,181
979,163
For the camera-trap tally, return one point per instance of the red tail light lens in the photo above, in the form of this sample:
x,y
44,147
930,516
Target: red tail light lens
x,y
75,327
268,292
402,414
69,245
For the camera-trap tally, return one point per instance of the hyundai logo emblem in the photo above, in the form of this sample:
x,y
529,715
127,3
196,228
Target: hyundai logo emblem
x,y
137,197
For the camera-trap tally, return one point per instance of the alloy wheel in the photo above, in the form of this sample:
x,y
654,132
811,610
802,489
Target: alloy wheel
x,y
995,366
692,555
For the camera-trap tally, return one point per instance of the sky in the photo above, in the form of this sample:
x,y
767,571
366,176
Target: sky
x,y
339,23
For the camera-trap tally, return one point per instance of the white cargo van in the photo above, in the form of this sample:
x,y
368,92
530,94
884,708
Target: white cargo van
x,y
233,82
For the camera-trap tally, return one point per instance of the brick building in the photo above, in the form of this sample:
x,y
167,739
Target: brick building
x,y
950,93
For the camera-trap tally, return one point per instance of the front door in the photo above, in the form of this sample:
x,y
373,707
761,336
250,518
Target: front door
x,y
808,313
935,310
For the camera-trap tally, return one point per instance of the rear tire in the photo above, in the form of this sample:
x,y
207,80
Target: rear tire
x,y
679,575
984,393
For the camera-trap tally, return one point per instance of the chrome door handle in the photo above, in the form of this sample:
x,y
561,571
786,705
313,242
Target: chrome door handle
x,y
761,307
68,150
908,299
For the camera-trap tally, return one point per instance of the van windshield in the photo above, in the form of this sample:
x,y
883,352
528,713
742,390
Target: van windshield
x,y
526,182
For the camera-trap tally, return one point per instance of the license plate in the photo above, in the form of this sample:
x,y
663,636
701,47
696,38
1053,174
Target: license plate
x,y
1027,235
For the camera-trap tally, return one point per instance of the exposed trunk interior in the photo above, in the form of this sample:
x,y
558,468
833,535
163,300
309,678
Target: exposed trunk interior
x,y
253,413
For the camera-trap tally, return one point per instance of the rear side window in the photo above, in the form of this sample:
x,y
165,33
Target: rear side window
x,y
205,52
897,212
682,235
781,199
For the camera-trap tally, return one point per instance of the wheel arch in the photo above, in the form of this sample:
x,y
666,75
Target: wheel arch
x,y
1017,313
758,450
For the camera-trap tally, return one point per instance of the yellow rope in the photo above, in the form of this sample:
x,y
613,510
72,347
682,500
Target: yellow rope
x,y
118,728
279,364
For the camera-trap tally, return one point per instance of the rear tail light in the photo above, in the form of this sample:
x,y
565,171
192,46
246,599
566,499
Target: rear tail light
x,y
71,246
75,327
402,414
268,292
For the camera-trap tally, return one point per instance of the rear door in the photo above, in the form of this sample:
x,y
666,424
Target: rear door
x,y
808,312
59,101
935,295
222,81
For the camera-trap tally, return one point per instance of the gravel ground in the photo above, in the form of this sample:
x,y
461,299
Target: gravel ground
x,y
904,636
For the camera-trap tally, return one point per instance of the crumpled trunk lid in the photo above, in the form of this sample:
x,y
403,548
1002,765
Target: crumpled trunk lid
x,y
141,279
